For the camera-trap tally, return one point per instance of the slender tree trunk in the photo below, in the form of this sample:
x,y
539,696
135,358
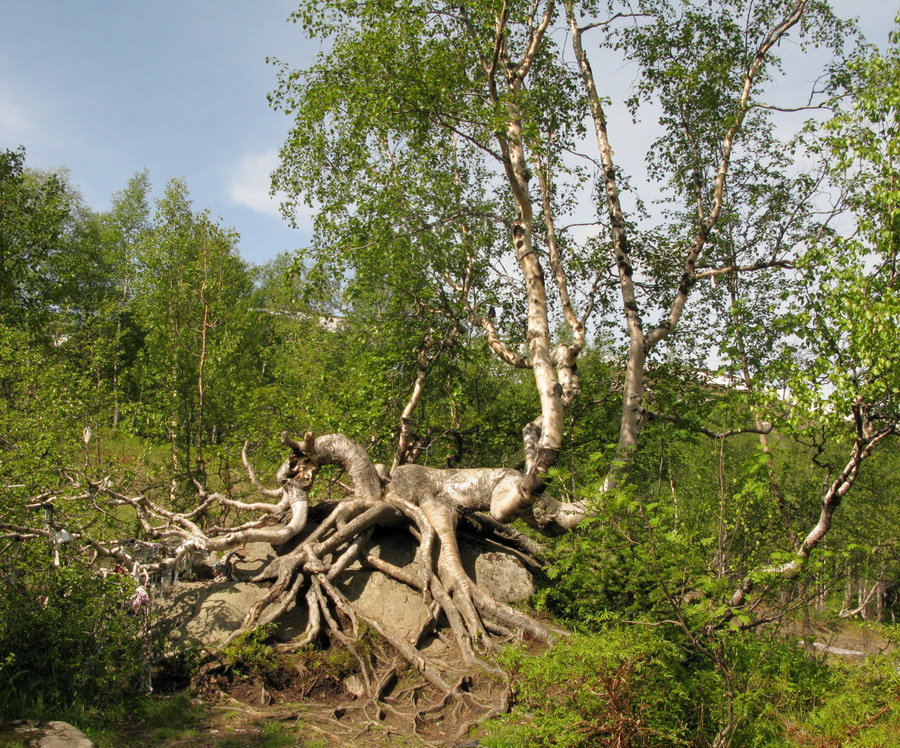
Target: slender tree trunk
x,y
204,329
423,367
518,175
633,389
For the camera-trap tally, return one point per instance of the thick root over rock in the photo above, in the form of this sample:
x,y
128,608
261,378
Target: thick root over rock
x,y
463,624
323,545
463,621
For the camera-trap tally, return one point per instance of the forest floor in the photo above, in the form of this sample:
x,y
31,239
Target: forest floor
x,y
317,722
840,638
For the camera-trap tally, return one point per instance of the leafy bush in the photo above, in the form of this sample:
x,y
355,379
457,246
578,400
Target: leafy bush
x,y
624,687
67,637
650,686
626,562
863,710
250,654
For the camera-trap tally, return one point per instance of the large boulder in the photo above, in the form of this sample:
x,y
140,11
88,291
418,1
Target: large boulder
x,y
497,570
392,603
207,612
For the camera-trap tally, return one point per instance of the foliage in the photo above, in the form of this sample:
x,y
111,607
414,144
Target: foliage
x,y
136,346
36,212
849,308
645,686
68,637
192,302
42,413
250,653
627,685
622,562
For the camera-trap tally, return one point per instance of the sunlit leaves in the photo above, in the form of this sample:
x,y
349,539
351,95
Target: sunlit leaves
x,y
848,317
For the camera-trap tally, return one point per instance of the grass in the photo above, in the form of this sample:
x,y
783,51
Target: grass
x,y
177,720
150,720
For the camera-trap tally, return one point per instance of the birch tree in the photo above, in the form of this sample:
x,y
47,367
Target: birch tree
x,y
432,121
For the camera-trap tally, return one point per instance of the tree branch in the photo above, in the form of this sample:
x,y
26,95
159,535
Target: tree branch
x,y
654,416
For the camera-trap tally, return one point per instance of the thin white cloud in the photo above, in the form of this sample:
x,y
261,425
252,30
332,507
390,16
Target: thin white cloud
x,y
250,183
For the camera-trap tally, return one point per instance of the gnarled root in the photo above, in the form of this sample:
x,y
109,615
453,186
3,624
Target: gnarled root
x,y
459,678
323,545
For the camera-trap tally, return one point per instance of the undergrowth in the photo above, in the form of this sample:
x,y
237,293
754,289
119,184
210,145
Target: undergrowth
x,y
69,640
644,686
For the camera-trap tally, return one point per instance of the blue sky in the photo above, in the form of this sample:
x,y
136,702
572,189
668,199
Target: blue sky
x,y
177,87
110,87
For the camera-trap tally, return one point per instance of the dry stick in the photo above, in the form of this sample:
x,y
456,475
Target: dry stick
x,y
426,536
531,548
367,519
340,602
504,613
285,603
215,530
350,555
457,625
259,506
868,722
286,571
394,572
251,473
411,655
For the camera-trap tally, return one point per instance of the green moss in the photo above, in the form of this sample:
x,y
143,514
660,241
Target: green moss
x,y
251,654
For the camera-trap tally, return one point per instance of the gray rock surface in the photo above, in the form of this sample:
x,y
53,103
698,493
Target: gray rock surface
x,y
498,571
43,735
255,558
207,612
385,599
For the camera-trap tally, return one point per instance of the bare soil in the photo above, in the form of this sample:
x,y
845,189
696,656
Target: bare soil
x,y
250,713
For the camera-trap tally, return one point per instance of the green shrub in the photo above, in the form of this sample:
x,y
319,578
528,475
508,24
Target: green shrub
x,y
864,708
651,686
67,637
251,654
626,562
626,686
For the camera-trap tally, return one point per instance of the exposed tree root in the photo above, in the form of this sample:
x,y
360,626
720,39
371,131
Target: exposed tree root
x,y
321,544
